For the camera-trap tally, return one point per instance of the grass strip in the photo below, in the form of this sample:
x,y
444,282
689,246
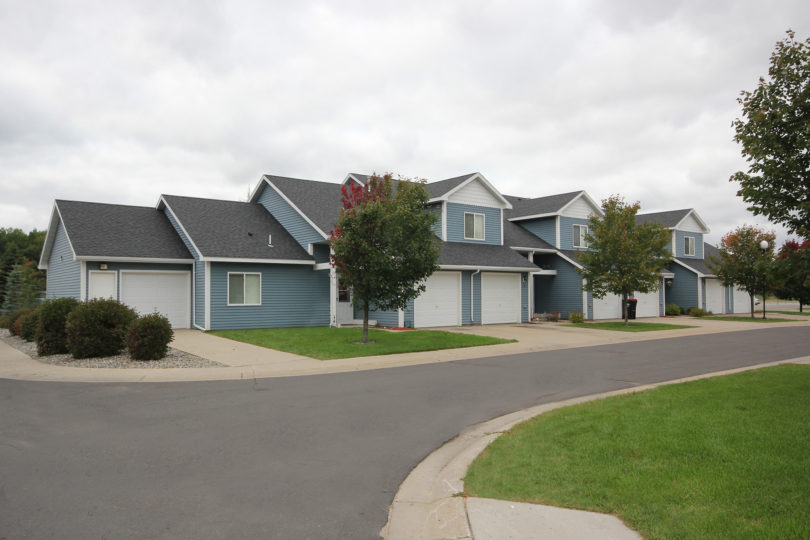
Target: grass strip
x,y
725,457
332,343
619,326
803,313
749,319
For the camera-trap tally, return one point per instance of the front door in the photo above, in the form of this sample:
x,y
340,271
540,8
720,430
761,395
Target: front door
x,y
345,310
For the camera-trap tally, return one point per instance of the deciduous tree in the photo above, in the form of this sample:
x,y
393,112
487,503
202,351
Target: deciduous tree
x,y
383,247
775,136
623,257
792,272
743,262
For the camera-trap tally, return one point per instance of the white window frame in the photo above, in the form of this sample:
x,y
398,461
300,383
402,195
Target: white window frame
x,y
244,284
483,226
580,236
688,241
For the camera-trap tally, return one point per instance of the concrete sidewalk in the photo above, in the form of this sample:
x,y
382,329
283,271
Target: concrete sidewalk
x,y
244,361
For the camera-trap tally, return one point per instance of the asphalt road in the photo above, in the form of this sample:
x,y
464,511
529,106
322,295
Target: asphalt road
x,y
304,457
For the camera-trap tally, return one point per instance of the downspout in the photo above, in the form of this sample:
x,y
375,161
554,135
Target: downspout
x,y
472,295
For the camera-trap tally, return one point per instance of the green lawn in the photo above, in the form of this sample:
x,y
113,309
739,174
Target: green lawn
x,y
330,343
748,318
634,326
726,457
805,313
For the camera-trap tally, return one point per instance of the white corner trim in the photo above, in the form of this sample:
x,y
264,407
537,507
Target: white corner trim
x,y
401,318
501,225
557,237
294,207
208,295
83,282
444,221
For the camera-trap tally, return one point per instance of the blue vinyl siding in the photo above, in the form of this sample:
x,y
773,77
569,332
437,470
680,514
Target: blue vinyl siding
x,y
455,223
289,218
388,317
437,226
64,274
545,228
524,297
567,231
561,293
320,253
679,236
292,295
199,295
684,288
118,266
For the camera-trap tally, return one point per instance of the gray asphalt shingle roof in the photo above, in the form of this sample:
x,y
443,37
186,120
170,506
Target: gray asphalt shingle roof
x,y
670,218
522,207
233,229
319,201
465,254
702,265
440,187
116,230
516,236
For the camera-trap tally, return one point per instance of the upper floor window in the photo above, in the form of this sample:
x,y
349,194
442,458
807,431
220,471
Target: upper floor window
x,y
689,245
473,226
244,289
580,232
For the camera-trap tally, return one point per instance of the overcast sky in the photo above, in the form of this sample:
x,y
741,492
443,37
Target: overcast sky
x,y
121,101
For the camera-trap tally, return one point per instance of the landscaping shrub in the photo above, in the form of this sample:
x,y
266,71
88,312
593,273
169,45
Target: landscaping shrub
x,y
697,312
29,325
98,328
576,317
16,327
51,336
5,321
11,318
673,310
554,316
148,337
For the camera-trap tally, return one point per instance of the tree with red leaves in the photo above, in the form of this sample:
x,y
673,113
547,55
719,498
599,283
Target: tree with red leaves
x,y
744,263
792,272
383,247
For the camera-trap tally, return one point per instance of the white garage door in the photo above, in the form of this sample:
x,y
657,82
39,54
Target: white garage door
x,y
164,292
715,293
742,302
609,307
500,298
440,304
647,304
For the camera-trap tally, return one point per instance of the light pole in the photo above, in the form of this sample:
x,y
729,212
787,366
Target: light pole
x,y
764,247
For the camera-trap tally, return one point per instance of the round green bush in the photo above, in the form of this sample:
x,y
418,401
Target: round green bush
x,y
29,325
10,320
51,336
697,312
98,328
673,310
576,317
148,337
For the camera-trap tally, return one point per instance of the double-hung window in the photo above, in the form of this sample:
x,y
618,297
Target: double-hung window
x,y
688,245
244,289
580,233
473,226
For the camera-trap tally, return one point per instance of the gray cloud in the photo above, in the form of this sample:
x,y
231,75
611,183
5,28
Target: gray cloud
x,y
119,102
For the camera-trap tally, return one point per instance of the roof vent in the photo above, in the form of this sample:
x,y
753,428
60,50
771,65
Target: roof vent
x,y
269,240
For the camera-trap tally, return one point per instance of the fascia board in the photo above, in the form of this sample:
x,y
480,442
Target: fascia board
x,y
693,212
50,237
134,259
256,261
591,202
534,216
485,268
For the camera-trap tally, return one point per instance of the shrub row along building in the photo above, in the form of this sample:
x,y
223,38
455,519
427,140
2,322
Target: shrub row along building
x,y
215,264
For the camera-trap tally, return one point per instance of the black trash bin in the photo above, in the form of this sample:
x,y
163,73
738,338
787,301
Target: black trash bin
x,y
631,308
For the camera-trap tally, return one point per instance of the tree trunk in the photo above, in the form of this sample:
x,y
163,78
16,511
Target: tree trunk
x,y
365,321
800,306
763,304
751,296
624,305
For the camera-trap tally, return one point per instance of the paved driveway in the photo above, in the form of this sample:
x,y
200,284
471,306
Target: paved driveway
x,y
296,457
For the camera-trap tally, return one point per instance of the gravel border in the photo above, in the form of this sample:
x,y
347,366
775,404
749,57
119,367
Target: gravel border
x,y
174,358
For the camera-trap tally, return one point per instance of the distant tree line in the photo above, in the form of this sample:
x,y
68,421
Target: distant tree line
x,y
21,283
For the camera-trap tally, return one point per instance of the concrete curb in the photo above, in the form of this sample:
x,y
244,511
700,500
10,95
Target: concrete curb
x,y
427,505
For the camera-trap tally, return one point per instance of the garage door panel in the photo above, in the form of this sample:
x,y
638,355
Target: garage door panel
x,y
500,298
164,292
440,303
715,293
609,307
647,305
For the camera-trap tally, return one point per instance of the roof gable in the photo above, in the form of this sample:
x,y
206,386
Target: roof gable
x,y
444,190
234,230
115,231
676,219
540,207
319,203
